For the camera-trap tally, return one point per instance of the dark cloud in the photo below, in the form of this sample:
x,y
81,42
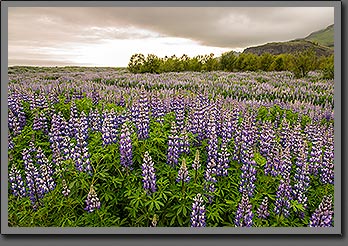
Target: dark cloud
x,y
218,27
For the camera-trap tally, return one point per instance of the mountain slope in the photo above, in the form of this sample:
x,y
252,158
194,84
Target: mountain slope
x,y
322,42
323,37
289,47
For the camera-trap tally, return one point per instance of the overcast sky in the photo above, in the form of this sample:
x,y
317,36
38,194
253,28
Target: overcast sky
x,y
109,36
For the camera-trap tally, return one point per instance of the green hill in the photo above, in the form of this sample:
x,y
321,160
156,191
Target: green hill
x,y
323,37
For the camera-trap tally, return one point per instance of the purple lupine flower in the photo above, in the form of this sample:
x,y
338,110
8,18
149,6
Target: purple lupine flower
x,y
33,180
285,133
283,198
57,161
13,124
212,147
148,173
73,120
267,136
16,181
211,170
126,147
184,143
227,127
37,123
273,160
323,215
248,175
183,174
173,146
94,120
46,171
315,159
143,121
95,97
65,190
244,214
106,129
157,109
92,201
196,163
180,113
223,161
296,139
301,179
209,180
198,212
80,152
327,170
285,163
10,142
262,211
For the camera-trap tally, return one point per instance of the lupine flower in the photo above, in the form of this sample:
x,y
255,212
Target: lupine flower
x,y
184,143
222,161
80,151
285,162
183,174
157,109
94,120
266,139
262,211
46,172
10,142
126,147
198,212
285,133
209,185
33,180
66,190
16,181
327,170
95,97
248,175
196,163
212,148
106,130
244,214
73,120
173,146
283,198
13,124
301,179
148,173
143,121
180,114
273,160
323,215
92,201
315,160
211,170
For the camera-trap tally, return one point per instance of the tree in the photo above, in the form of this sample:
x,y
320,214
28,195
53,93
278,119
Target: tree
x,y
227,61
303,62
265,61
136,63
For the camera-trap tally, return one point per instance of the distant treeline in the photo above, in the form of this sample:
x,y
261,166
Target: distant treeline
x,y
299,63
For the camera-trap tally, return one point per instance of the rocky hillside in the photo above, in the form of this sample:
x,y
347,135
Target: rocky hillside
x,y
289,47
321,41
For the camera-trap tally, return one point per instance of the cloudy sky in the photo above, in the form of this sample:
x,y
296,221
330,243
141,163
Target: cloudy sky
x,y
91,36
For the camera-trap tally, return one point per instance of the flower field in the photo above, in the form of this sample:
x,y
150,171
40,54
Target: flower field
x,y
102,147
